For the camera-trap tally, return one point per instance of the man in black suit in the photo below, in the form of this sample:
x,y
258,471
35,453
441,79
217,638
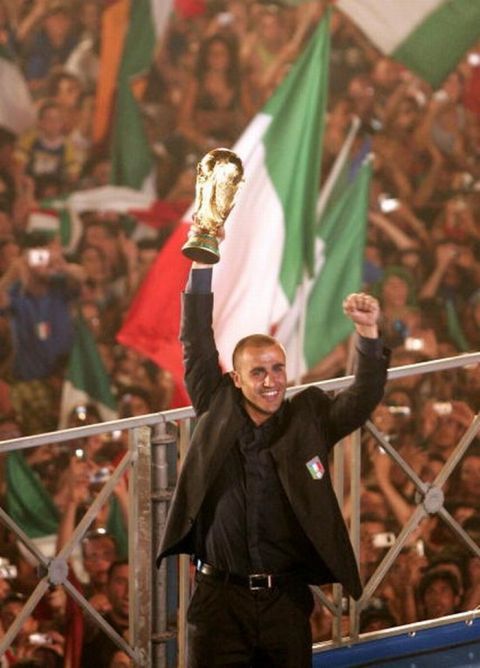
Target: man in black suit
x,y
254,504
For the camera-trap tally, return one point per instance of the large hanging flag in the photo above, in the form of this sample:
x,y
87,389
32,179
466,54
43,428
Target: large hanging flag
x,y
430,37
114,30
17,110
270,233
86,380
315,323
130,29
131,152
341,243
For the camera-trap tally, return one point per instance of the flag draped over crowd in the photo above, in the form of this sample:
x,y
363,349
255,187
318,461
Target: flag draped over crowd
x,y
270,233
430,37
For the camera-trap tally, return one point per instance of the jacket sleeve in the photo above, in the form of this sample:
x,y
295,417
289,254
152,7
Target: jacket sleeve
x,y
202,371
351,407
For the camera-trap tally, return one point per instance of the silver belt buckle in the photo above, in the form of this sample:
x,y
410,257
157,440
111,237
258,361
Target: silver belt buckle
x,y
260,577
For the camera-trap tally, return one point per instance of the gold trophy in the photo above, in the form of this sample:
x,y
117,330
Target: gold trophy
x,y
219,173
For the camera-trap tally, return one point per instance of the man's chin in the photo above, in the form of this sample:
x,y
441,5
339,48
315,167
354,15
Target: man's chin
x,y
265,408
272,408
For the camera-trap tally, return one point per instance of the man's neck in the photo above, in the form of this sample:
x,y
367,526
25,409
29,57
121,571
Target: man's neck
x,y
257,416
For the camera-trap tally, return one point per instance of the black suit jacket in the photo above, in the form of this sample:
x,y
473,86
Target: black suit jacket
x,y
315,422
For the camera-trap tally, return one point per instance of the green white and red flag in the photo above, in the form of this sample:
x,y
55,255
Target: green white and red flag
x,y
429,37
270,233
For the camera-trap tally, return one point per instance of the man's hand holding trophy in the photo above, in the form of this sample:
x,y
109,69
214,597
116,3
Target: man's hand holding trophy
x,y
219,175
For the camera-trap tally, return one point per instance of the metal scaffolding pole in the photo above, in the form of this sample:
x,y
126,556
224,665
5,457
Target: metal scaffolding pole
x,y
161,495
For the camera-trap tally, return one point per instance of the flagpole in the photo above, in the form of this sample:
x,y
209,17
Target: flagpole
x,y
339,164
324,196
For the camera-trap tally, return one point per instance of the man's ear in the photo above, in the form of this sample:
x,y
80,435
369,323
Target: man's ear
x,y
235,377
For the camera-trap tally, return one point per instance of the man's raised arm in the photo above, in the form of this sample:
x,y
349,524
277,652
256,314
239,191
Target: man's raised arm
x,y
352,406
202,370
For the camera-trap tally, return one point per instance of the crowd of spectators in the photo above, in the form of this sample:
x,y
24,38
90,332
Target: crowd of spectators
x,y
213,69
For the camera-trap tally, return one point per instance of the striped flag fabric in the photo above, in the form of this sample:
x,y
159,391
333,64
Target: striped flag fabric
x,y
130,29
315,323
28,503
86,380
131,152
269,234
113,31
429,37
341,238
151,326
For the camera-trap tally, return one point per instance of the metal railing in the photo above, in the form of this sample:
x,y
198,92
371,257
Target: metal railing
x,y
430,501
157,445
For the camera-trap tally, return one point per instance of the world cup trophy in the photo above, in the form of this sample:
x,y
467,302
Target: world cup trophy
x,y
219,174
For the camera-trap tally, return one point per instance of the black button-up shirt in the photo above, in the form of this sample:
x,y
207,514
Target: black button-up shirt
x,y
246,524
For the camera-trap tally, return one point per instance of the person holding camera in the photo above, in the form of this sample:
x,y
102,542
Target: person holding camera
x,y
36,293
31,642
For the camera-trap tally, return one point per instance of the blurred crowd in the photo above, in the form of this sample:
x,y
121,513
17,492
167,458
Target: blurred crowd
x,y
213,70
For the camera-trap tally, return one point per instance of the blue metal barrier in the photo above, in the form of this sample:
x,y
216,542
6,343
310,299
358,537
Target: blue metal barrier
x,y
448,646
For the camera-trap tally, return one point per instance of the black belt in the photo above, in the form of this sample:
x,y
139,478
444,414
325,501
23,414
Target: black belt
x,y
254,581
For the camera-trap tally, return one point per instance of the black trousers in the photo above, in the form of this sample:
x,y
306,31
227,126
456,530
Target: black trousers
x,y
229,625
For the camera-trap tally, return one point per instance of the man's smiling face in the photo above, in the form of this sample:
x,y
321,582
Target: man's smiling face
x,y
261,376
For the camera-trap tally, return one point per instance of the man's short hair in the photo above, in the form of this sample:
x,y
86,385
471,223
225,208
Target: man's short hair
x,y
372,615
95,535
432,576
255,341
118,563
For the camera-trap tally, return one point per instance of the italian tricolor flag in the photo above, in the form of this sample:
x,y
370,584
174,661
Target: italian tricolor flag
x,y
130,30
269,243
315,323
428,36
270,233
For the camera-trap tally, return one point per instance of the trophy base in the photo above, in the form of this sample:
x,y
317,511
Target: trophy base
x,y
202,248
